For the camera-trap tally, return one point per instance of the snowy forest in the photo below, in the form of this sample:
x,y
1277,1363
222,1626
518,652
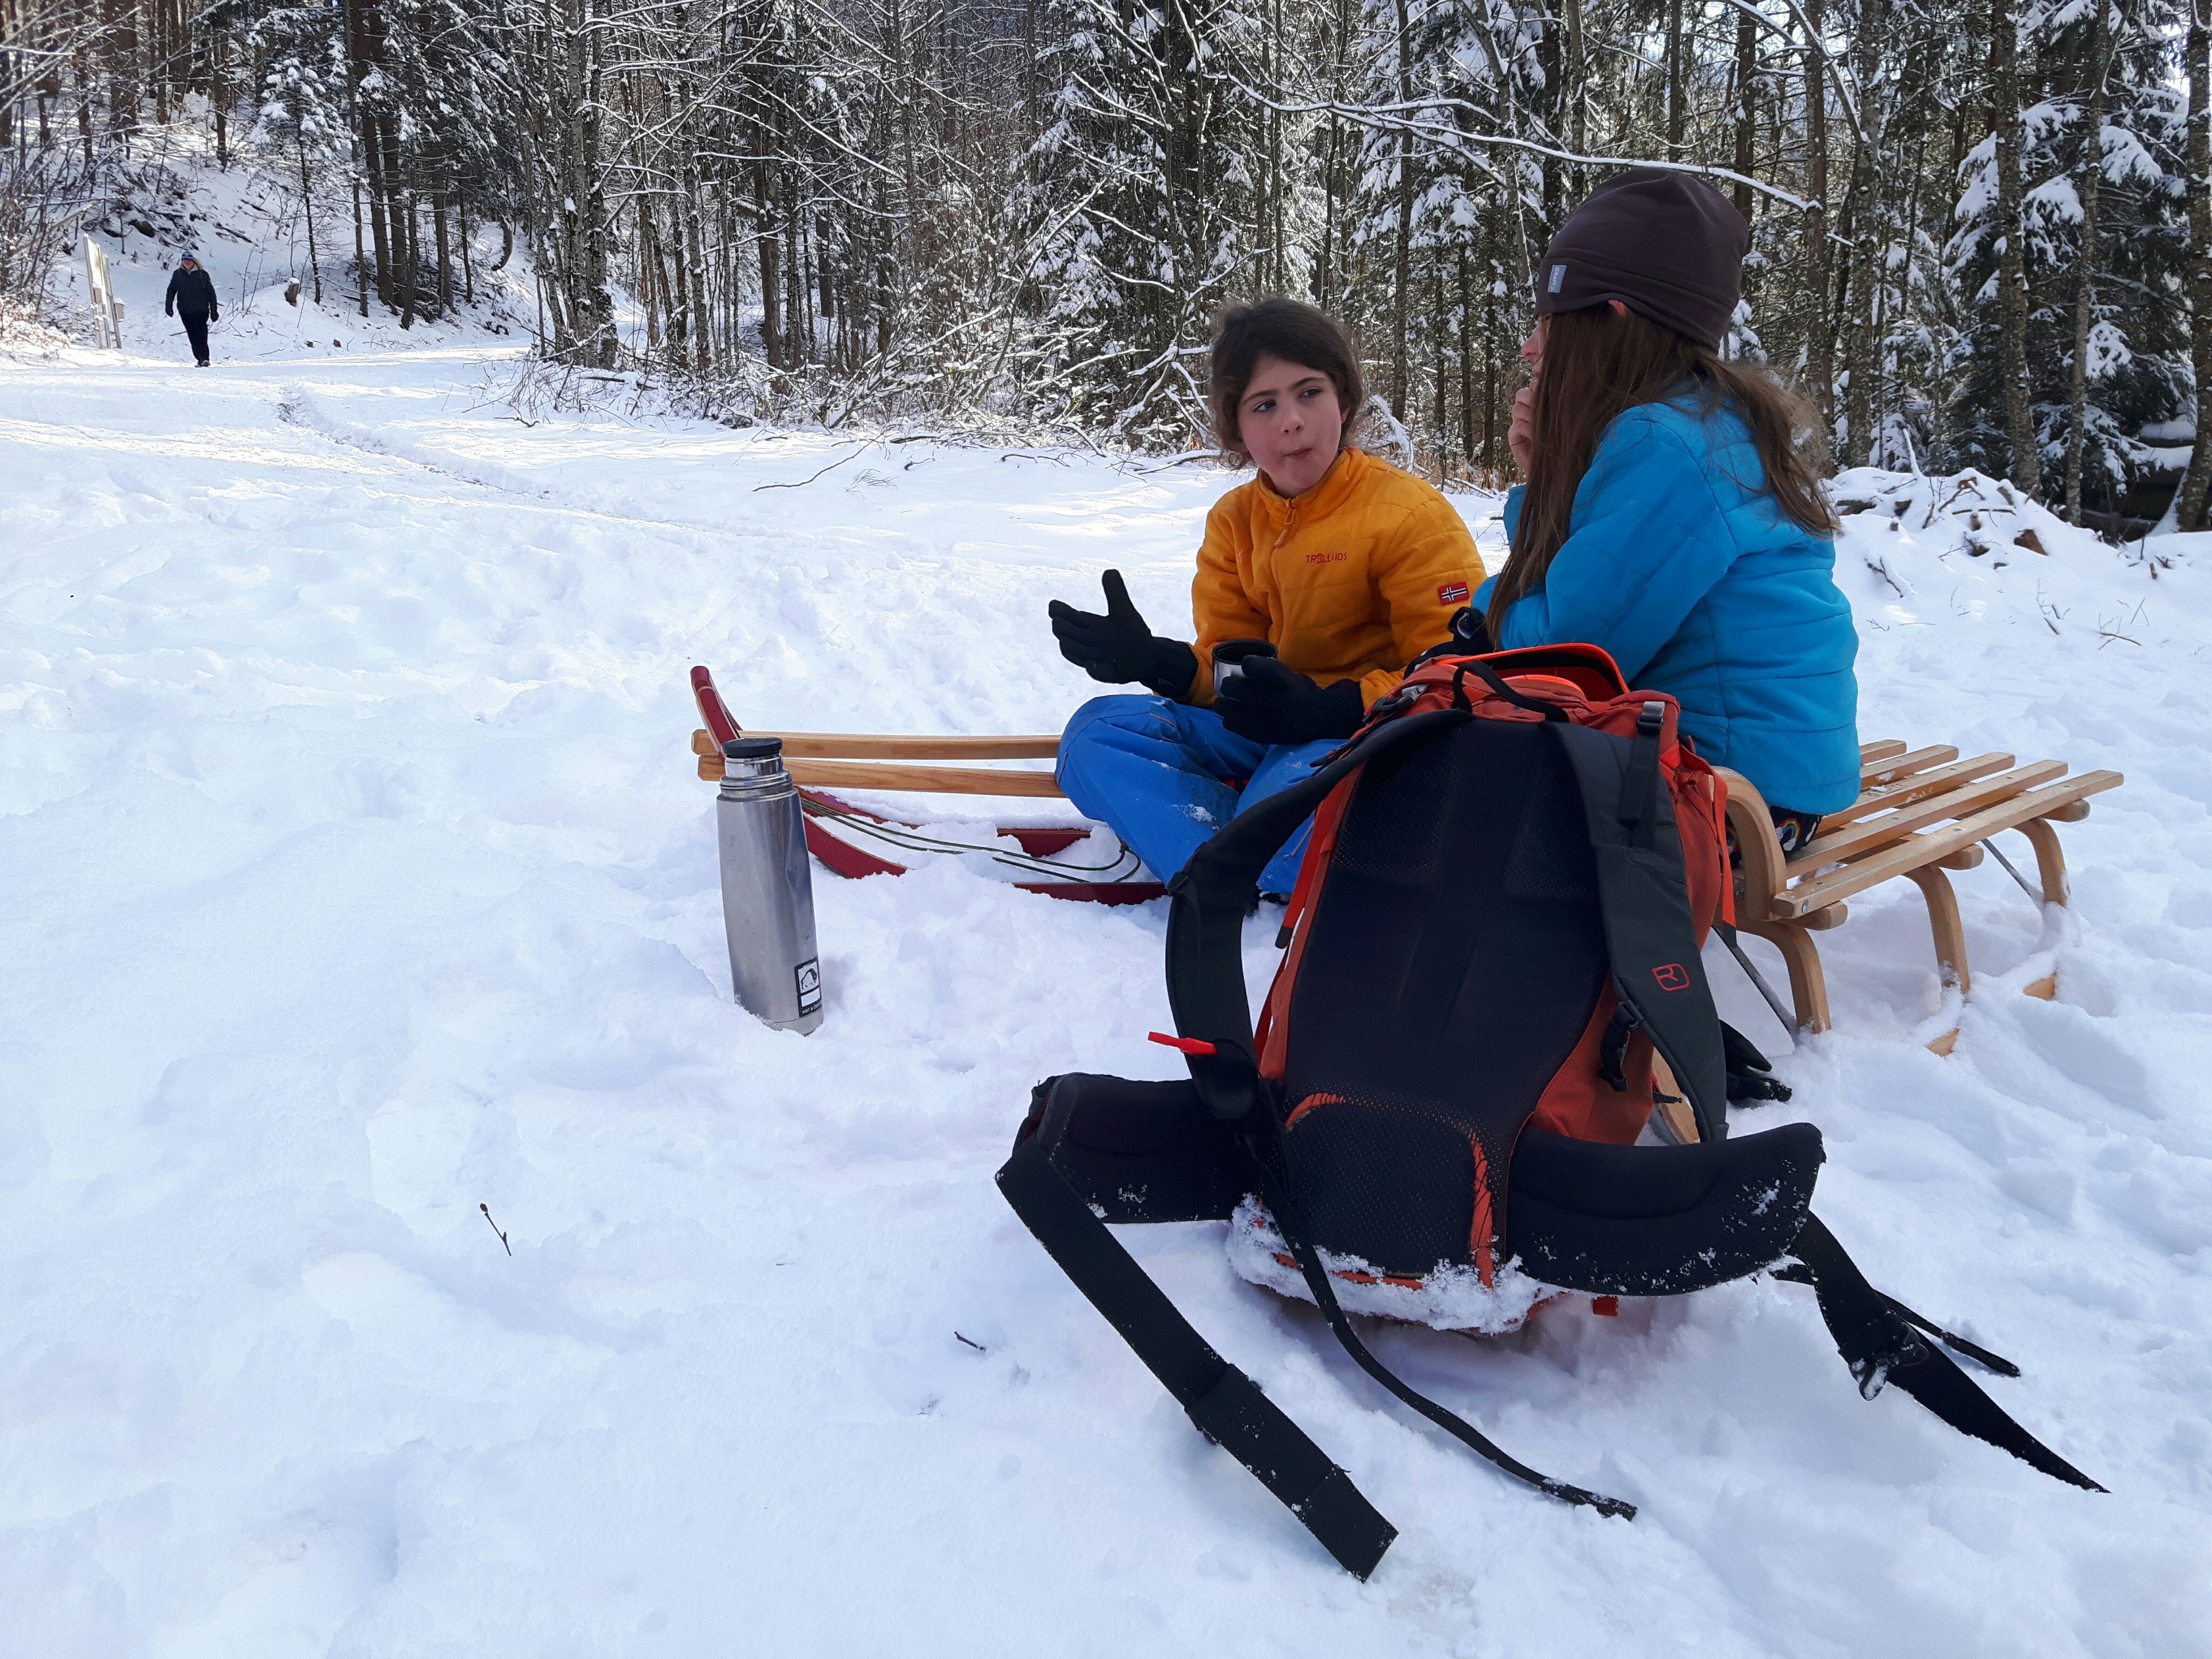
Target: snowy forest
x,y
1982,235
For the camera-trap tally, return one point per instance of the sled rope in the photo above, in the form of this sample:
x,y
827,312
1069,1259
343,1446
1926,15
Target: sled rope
x,y
911,840
1281,1203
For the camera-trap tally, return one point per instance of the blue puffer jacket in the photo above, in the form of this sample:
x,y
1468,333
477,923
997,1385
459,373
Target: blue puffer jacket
x,y
1679,563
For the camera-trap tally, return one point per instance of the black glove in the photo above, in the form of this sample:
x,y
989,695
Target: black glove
x,y
1118,647
1270,703
1471,632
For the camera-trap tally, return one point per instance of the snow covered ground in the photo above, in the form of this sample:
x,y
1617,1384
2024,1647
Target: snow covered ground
x,y
357,875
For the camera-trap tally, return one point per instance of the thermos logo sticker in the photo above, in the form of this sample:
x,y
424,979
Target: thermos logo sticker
x,y
1558,276
809,974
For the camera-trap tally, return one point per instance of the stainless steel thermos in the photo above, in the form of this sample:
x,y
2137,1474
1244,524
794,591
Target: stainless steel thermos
x,y
768,886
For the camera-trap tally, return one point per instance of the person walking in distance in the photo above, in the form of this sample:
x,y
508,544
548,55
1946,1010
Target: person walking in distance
x,y
191,297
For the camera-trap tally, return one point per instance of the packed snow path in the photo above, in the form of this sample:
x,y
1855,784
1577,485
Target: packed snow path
x,y
357,877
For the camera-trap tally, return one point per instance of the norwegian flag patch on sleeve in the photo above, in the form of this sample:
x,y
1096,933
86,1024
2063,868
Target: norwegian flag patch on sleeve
x,y
1452,593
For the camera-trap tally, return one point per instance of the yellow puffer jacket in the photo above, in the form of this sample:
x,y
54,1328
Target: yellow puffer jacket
x,y
1352,581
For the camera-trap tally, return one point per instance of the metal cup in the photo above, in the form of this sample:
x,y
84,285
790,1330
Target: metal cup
x,y
1231,656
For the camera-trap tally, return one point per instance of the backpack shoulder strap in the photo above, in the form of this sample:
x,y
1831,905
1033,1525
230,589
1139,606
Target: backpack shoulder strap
x,y
1644,896
1225,1404
1282,1205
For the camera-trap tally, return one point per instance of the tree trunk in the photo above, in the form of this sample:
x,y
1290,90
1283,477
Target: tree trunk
x,y
2012,265
1465,363
380,227
1578,83
440,229
360,254
307,205
1820,338
405,251
1746,79
219,96
1550,43
2085,274
84,106
1676,93
1398,297
695,253
2197,482
771,265
1858,291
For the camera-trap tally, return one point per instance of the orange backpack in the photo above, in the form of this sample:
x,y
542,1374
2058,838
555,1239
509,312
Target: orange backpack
x,y
1494,932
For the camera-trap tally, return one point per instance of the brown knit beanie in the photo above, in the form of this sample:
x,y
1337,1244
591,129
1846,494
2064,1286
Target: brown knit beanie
x,y
1666,245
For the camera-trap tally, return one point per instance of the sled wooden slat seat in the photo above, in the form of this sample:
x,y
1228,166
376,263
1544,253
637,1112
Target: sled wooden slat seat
x,y
837,745
831,760
1920,813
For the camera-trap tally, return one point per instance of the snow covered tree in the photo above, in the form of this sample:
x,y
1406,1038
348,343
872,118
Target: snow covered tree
x,y
1137,188
2092,346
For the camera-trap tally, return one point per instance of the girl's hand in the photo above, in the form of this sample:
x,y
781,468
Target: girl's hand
x,y
1521,430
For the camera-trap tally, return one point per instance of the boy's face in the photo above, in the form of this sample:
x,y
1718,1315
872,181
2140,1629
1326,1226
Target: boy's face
x,y
1290,422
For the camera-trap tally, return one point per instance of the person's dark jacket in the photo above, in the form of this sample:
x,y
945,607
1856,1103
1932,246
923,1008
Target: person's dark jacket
x,y
194,291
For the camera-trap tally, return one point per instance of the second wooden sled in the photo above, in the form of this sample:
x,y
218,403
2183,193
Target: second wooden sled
x,y
854,841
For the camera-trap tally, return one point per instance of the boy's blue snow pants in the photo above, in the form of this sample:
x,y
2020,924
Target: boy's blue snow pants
x,y
1166,777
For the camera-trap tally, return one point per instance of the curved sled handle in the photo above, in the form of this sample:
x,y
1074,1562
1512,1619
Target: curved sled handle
x,y
711,708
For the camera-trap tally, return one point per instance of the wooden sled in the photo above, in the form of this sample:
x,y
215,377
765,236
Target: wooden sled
x,y
854,842
1920,814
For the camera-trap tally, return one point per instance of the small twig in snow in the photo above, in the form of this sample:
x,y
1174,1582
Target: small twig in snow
x,y
2049,612
494,1225
971,1342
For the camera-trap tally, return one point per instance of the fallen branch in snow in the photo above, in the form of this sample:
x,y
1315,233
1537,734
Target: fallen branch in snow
x,y
1183,459
803,482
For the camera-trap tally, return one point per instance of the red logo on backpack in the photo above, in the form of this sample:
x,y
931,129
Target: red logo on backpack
x,y
1671,977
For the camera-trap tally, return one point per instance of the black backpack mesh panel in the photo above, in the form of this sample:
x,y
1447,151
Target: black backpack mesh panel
x,y
1439,1006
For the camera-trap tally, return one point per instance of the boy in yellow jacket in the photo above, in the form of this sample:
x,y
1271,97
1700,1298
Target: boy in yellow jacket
x,y
1346,567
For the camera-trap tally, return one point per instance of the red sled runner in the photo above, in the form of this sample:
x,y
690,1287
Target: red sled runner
x,y
1495,930
854,842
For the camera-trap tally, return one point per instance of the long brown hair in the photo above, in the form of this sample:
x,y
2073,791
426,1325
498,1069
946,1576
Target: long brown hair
x,y
1599,362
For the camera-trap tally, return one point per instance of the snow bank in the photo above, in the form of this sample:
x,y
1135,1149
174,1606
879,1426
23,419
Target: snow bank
x,y
359,877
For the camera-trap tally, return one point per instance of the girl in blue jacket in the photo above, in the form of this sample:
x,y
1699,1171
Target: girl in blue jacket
x,y
1668,516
